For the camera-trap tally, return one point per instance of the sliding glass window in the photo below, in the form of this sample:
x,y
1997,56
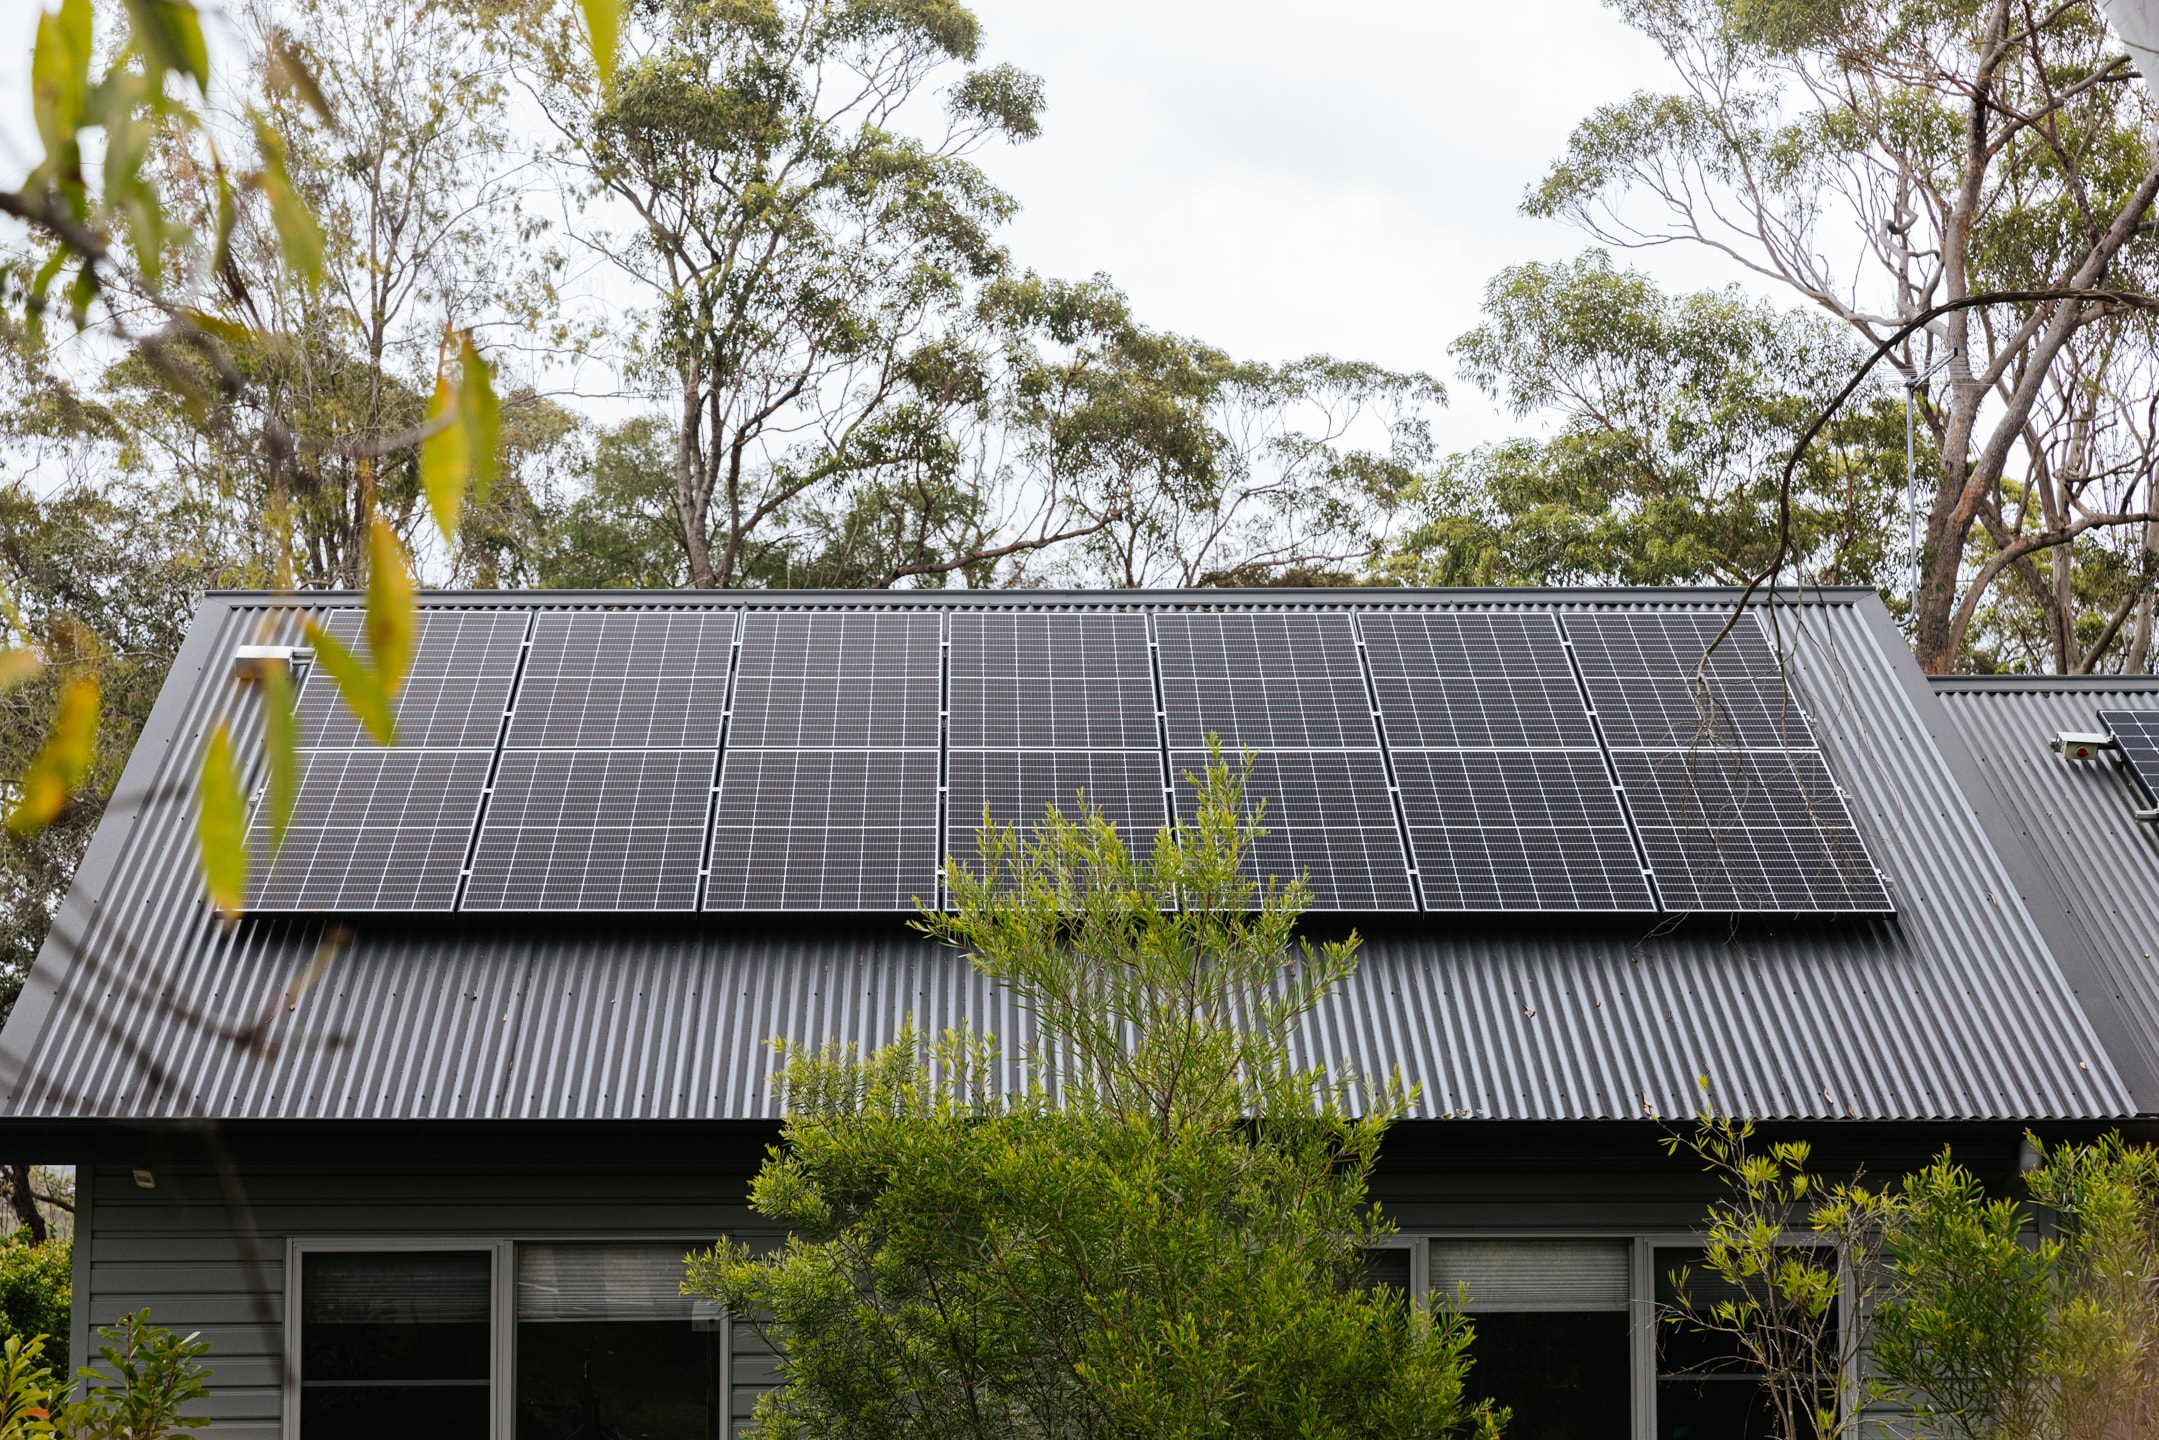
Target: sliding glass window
x,y
609,1348
395,1343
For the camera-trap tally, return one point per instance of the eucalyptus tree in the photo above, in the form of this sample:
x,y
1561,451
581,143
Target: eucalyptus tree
x,y
1883,157
807,259
1671,418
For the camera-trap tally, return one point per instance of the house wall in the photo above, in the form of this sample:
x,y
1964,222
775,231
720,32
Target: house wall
x,y
180,1250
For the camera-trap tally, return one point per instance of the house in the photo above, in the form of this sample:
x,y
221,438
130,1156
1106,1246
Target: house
x,y
418,1143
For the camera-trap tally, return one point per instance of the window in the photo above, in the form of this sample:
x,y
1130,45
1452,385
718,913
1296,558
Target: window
x,y
609,1348
1706,1390
1551,1331
395,1343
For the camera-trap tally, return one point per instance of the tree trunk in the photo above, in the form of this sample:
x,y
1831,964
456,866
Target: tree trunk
x,y
691,502
25,1203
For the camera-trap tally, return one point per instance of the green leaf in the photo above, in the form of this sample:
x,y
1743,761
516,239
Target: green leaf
x,y
59,79
445,457
63,762
228,215
357,683
40,287
169,35
281,749
603,28
480,412
221,825
393,615
298,236
287,73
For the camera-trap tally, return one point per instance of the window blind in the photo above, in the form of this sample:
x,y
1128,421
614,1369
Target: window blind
x,y
607,1281
1505,1275
394,1287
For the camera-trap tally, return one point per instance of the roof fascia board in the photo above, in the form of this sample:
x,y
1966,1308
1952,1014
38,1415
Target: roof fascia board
x,y
1326,597
2044,684
52,972
2137,1071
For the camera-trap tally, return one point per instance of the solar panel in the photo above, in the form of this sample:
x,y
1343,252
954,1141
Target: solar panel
x,y
1504,789
1518,830
828,791
453,697
834,679
825,830
593,830
1735,830
1051,681
388,829
1733,801
1327,812
1016,787
625,680
373,829
2136,735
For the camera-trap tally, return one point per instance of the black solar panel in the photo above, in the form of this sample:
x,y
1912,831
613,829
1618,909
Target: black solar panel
x,y
1730,830
388,829
1051,681
1450,681
2136,732
832,679
1327,813
825,830
1518,830
1730,795
1017,787
454,694
625,680
1267,679
374,829
593,830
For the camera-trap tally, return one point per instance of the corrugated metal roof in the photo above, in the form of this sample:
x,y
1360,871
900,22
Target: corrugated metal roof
x,y
1960,1006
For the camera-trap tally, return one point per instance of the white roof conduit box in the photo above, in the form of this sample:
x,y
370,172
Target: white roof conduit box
x,y
2080,745
2136,22
249,661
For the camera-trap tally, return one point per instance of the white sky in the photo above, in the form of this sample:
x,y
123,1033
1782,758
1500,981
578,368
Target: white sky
x,y
1278,179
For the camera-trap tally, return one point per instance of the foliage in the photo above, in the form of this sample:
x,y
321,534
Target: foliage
x,y
1156,1232
1979,146
37,1290
1995,1333
1674,417
1791,1309
146,1379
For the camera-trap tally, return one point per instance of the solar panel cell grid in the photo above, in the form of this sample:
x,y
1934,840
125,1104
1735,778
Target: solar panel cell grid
x,y
624,680
1327,812
373,829
594,830
1273,681
454,694
1657,712
1017,787
817,829
1670,642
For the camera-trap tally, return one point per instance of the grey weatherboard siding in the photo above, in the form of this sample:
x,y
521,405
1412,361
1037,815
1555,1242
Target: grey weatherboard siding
x,y
1971,1002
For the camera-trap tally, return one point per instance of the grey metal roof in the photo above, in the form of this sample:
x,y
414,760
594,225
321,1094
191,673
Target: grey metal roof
x,y
1974,1001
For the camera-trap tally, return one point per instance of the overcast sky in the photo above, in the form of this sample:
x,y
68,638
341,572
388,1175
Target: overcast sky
x,y
1276,178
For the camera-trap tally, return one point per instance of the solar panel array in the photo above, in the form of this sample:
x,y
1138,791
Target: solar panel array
x,y
1051,708
1460,759
2136,735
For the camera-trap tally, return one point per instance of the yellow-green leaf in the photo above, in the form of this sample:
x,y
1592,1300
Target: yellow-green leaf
x,y
63,762
221,825
281,749
287,72
363,692
445,457
480,413
59,78
603,27
393,615
228,215
169,34
299,238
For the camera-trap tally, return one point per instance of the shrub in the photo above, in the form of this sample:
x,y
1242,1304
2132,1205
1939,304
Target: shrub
x,y
37,1286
